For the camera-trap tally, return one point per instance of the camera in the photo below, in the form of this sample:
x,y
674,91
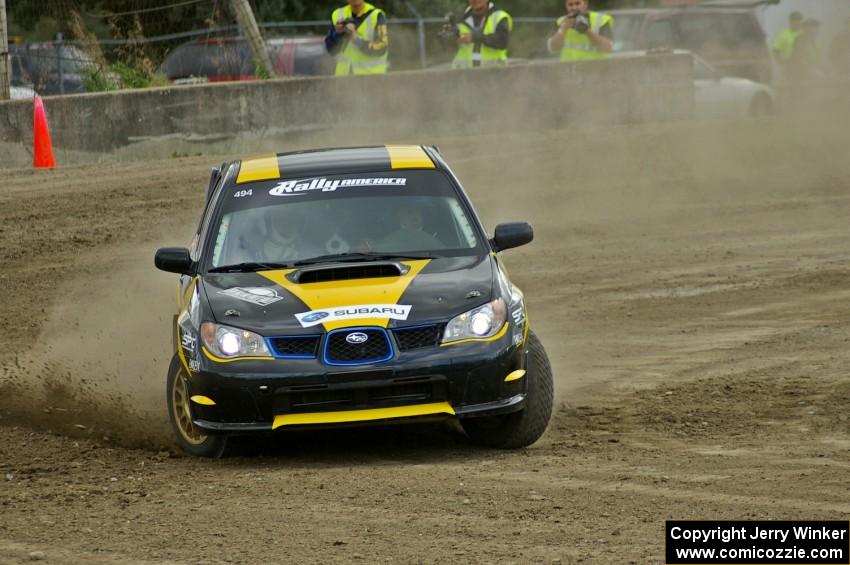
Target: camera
x,y
582,20
449,29
347,21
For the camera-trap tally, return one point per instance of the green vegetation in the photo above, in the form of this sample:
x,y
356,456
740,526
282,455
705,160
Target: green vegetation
x,y
260,71
120,76
95,80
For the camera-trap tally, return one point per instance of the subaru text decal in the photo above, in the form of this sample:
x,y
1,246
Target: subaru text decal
x,y
290,187
316,317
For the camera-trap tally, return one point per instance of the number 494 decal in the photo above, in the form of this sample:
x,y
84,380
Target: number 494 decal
x,y
243,193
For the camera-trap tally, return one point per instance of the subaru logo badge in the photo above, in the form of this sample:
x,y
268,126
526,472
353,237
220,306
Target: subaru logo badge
x,y
356,338
315,317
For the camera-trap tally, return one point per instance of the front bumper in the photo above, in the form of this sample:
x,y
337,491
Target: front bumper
x,y
465,380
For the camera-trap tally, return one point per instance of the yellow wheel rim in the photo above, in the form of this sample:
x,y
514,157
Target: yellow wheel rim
x,y
182,414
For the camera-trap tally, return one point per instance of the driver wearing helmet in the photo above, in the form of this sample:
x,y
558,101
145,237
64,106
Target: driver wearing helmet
x,y
411,234
285,239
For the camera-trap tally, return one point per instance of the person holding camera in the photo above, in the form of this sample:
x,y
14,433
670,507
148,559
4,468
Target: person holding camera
x,y
582,34
482,35
783,46
839,51
806,62
358,39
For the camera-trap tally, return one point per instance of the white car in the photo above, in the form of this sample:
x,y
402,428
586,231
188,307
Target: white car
x,y
718,96
21,93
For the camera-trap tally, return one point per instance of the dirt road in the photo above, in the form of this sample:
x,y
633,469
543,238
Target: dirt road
x,y
690,282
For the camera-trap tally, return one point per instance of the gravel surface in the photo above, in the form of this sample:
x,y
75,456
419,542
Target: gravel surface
x,y
688,281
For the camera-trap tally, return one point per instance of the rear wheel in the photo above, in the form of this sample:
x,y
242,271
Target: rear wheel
x,y
189,436
523,428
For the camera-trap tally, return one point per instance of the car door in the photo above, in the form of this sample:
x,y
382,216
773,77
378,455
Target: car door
x,y
715,96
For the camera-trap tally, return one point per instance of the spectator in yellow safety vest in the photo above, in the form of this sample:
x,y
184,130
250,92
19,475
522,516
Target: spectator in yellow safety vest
x,y
783,46
482,35
806,62
839,51
582,34
358,39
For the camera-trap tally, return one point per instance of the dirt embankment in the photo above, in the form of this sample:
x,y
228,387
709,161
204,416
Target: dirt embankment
x,y
687,281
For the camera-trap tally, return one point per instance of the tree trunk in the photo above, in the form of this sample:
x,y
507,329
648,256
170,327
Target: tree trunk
x,y
248,24
72,26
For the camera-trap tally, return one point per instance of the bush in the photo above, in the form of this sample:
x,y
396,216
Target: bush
x,y
97,79
120,76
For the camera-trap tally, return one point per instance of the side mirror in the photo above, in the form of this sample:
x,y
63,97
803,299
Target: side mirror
x,y
512,235
173,260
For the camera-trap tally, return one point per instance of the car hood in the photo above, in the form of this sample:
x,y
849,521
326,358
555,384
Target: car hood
x,y
275,303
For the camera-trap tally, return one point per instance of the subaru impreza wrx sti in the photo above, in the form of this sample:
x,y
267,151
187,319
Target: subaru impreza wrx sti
x,y
349,286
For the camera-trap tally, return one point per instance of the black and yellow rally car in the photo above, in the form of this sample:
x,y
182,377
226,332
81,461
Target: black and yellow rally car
x,y
347,286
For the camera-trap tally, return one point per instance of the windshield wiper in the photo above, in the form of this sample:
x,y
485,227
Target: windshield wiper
x,y
361,257
250,267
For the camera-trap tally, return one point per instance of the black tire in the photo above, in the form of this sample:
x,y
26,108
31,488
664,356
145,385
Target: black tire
x,y
523,428
190,439
761,105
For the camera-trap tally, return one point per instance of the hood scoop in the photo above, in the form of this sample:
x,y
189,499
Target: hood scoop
x,y
347,272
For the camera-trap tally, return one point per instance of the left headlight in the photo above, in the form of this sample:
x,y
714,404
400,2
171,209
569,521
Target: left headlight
x,y
229,343
480,323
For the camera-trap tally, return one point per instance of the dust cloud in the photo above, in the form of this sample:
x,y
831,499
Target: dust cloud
x,y
619,211
98,368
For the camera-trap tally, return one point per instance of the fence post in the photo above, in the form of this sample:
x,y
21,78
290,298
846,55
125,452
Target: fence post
x,y
5,74
60,68
420,26
249,28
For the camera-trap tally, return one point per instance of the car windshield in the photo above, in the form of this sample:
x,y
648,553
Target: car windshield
x,y
47,59
627,31
717,32
219,58
392,214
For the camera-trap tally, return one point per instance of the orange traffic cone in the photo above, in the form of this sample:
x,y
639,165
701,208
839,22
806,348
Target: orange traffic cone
x,y
43,148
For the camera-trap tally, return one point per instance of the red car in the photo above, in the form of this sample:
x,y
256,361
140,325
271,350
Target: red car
x,y
226,59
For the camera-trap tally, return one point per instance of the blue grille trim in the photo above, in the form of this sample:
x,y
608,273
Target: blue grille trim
x,y
383,332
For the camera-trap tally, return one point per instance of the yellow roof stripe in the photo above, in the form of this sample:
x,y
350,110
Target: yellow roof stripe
x,y
371,415
260,168
409,157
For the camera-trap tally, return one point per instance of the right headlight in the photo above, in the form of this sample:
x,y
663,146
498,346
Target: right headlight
x,y
480,323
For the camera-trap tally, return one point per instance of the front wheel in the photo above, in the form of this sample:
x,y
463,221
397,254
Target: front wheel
x,y
523,428
190,438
